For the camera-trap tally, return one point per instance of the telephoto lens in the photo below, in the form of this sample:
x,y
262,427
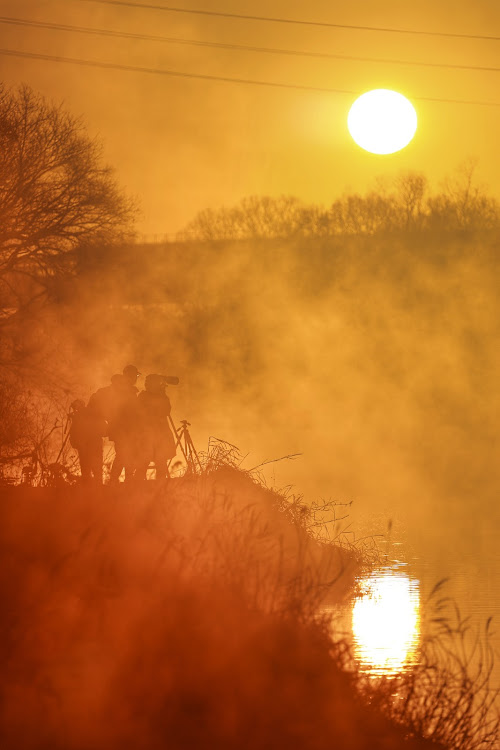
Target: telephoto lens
x,y
170,379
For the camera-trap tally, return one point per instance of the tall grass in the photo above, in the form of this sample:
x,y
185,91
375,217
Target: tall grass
x,y
178,615
449,694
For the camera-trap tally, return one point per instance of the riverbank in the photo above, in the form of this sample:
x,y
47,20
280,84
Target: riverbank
x,y
174,615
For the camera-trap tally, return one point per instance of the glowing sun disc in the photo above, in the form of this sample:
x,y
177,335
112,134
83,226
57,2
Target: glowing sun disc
x,y
382,121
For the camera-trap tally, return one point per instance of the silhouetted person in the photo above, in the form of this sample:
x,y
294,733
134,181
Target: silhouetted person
x,y
122,428
117,404
85,435
131,373
108,400
155,439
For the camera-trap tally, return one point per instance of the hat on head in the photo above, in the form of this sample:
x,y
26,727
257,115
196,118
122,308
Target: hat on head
x,y
131,370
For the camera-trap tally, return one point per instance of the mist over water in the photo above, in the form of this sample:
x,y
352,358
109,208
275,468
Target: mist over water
x,y
375,358
366,349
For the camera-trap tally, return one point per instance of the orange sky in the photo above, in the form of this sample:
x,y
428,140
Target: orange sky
x,y
181,144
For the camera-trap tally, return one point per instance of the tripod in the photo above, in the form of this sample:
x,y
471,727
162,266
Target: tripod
x,y
184,441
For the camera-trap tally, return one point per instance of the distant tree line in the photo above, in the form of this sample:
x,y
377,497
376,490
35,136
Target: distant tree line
x,y
406,205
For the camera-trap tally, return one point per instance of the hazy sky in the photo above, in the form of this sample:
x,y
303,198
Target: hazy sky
x,y
183,144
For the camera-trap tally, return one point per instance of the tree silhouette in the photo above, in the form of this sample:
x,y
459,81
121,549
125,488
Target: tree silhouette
x,y
463,204
405,205
362,214
255,217
411,188
55,194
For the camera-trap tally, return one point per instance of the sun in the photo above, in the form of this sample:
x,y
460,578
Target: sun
x,y
382,121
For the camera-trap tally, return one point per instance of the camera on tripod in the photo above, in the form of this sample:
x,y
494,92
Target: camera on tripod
x,y
169,379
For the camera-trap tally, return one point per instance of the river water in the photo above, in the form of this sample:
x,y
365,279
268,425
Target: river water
x,y
396,602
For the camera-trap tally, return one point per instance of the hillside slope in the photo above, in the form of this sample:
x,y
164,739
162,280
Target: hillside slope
x,y
171,615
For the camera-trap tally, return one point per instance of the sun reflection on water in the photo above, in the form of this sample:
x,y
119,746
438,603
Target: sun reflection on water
x,y
386,622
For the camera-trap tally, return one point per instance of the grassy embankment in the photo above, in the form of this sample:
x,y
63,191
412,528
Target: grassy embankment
x,y
144,620
179,615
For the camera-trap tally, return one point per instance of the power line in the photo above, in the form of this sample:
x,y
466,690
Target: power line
x,y
204,77
238,47
324,24
176,73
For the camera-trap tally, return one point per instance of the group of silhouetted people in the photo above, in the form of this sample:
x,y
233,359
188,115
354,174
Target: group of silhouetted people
x,y
137,422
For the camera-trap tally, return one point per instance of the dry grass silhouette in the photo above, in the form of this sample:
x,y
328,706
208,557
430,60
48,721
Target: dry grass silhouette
x,y
449,694
184,614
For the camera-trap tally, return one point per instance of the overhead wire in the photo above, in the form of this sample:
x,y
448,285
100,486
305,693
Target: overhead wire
x,y
236,47
206,77
292,21
162,71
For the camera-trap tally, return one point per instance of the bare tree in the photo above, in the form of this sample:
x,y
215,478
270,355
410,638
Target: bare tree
x,y
463,203
411,188
55,194
262,217
15,417
255,217
362,214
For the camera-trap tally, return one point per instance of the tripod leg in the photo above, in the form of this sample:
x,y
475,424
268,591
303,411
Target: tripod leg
x,y
192,451
177,435
178,438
